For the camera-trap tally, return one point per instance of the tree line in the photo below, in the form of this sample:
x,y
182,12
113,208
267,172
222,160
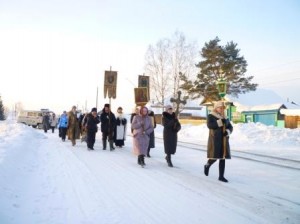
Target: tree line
x,y
174,64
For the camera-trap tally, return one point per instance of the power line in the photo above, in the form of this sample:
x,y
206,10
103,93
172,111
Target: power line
x,y
276,66
287,80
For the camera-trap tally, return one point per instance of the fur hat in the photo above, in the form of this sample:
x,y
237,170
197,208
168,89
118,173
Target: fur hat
x,y
219,104
94,110
106,105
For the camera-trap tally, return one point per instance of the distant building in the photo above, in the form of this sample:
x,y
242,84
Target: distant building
x,y
263,106
191,109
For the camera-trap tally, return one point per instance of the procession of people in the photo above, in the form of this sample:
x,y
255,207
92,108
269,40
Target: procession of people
x,y
74,125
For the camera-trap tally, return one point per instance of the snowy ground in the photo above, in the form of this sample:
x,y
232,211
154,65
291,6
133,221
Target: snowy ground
x,y
44,180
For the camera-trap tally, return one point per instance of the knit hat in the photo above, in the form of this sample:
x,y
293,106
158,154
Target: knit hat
x,y
169,107
94,110
219,104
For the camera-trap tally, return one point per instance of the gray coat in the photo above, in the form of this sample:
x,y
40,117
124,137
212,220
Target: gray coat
x,y
142,127
216,138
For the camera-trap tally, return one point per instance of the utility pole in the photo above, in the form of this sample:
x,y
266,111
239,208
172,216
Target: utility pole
x,y
97,98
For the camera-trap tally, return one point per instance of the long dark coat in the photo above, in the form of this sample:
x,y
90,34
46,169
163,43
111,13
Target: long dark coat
x,y
216,138
152,135
46,122
171,127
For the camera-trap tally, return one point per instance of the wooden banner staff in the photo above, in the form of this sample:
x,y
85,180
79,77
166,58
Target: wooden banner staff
x,y
224,137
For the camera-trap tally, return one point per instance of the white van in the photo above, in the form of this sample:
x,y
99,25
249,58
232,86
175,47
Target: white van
x,y
32,118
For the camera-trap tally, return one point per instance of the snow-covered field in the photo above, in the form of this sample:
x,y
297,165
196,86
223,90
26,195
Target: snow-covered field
x,y
45,180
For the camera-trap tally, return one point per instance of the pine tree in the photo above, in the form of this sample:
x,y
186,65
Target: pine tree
x,y
219,62
2,115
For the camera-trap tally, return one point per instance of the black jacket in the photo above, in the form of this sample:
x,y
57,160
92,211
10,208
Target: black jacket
x,y
91,123
108,122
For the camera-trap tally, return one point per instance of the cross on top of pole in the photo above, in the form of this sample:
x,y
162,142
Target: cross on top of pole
x,y
178,101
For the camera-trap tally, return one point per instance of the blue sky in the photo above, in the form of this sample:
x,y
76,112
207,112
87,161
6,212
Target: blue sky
x,y
54,53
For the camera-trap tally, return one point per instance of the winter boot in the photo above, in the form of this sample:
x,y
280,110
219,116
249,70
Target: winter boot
x,y
143,160
222,170
104,144
206,169
207,166
148,153
168,158
139,160
111,145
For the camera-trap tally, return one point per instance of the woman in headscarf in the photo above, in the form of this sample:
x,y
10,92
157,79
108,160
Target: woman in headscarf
x,y
142,127
218,140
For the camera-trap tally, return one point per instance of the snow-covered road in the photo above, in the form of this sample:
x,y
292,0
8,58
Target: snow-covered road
x,y
44,180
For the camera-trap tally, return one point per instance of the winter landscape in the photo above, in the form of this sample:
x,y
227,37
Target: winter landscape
x,y
45,180
83,54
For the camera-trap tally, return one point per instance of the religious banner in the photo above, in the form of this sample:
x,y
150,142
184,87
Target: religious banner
x,y
141,96
144,82
110,84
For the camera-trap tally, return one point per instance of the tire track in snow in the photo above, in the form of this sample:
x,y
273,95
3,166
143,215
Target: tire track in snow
x,y
153,205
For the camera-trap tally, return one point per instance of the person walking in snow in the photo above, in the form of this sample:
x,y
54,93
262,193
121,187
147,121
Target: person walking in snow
x,y
53,122
90,123
46,122
171,127
218,140
120,129
73,126
152,136
108,123
142,127
63,125
135,111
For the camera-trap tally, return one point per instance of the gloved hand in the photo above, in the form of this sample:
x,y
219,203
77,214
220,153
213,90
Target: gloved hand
x,y
225,133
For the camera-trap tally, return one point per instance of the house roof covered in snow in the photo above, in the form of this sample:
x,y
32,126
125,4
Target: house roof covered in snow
x,y
259,100
192,107
290,112
262,107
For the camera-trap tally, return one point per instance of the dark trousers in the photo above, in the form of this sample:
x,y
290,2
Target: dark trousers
x,y
90,139
63,133
106,136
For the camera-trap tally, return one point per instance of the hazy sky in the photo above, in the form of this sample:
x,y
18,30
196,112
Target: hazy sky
x,y
53,53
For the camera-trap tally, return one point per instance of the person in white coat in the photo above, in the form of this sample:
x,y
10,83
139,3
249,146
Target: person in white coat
x,y
120,129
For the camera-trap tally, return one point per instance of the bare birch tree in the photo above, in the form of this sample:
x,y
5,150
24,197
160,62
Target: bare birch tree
x,y
166,61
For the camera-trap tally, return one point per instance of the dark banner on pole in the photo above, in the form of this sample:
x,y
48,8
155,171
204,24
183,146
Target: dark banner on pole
x,y
144,81
110,84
